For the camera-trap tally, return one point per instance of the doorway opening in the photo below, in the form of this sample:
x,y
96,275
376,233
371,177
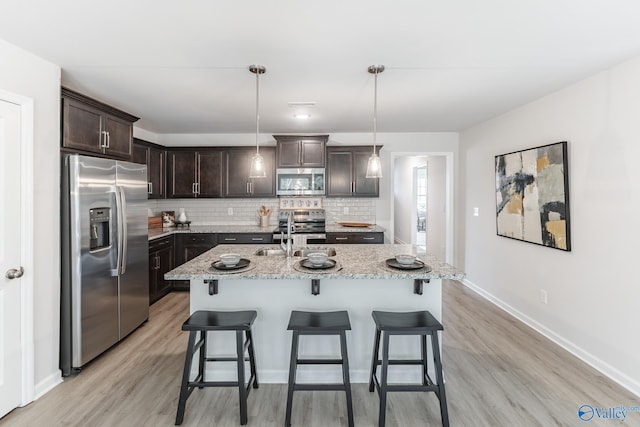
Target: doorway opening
x,y
420,185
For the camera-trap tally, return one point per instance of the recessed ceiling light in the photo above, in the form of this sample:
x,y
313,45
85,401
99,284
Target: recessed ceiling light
x,y
302,116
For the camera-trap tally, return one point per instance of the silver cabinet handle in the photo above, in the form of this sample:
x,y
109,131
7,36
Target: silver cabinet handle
x,y
368,238
248,187
108,140
12,273
353,187
193,188
150,187
257,239
104,139
342,238
230,239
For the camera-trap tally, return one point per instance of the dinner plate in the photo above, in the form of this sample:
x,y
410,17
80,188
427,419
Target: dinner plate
x,y
219,265
392,262
329,263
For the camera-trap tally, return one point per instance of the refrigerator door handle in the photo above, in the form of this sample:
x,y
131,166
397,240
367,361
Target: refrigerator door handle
x,y
122,227
119,233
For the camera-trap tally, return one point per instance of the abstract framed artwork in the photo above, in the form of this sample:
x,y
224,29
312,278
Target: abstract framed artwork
x,y
532,196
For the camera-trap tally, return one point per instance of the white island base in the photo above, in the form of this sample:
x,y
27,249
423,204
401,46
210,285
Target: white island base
x,y
274,299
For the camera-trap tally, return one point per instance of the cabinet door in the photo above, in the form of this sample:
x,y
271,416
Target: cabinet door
x,y
236,166
165,257
210,173
289,154
181,174
363,186
82,125
156,173
264,187
339,173
139,154
312,153
119,137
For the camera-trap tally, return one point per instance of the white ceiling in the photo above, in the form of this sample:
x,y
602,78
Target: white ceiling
x,y
182,66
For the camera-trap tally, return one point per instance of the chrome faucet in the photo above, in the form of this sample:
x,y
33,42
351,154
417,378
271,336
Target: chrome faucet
x,y
288,247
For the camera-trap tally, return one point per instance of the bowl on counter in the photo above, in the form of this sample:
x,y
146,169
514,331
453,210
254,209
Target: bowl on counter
x,y
405,259
229,260
317,258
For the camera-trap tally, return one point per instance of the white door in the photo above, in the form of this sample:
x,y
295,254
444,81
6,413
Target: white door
x,y
10,257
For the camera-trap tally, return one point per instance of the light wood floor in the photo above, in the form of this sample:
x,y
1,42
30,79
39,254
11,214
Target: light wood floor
x,y
499,372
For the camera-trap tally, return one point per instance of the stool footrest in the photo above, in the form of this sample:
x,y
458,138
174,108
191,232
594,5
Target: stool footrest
x,y
224,359
321,387
402,362
319,361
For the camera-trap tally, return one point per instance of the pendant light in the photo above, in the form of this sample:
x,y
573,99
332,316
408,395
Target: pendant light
x,y
257,169
374,168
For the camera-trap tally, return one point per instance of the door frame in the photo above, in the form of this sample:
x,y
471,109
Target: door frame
x,y
449,197
27,353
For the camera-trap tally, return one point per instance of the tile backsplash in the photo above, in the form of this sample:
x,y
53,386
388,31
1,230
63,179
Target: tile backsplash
x,y
245,211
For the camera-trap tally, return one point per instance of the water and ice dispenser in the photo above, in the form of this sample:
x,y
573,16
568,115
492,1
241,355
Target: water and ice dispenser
x,y
99,228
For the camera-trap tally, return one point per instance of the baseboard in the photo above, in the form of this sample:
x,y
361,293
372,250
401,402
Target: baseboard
x,y
598,364
47,384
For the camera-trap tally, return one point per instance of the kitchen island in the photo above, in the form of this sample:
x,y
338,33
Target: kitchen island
x,y
274,285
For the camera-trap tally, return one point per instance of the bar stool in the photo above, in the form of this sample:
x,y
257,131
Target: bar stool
x,y
319,323
414,323
203,321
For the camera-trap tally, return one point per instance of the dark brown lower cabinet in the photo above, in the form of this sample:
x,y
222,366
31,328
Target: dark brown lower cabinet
x,y
189,246
160,262
346,238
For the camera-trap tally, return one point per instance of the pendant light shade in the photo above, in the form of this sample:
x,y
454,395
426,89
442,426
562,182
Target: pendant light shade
x,y
374,168
257,169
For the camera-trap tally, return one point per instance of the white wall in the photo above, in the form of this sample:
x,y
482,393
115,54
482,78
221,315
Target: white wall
x,y
404,203
593,290
436,205
25,74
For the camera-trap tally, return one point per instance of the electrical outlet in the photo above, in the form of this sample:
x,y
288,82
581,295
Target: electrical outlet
x,y
345,210
230,211
543,296
476,211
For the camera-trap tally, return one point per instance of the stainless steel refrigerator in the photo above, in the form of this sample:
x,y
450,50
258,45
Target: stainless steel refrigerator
x,y
104,271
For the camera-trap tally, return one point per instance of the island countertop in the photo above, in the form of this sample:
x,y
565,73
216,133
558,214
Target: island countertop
x,y
354,261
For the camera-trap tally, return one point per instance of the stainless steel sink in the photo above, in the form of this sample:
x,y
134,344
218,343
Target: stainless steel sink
x,y
269,252
309,250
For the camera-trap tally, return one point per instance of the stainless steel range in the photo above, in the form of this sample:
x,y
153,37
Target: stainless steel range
x,y
308,224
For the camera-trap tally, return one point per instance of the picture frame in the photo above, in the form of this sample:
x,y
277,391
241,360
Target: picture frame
x,y
532,196
168,218
300,203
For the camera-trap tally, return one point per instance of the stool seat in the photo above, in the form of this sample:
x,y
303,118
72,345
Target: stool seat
x,y
204,320
409,321
327,320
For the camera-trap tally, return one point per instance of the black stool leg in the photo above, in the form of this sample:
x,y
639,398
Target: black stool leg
x,y
293,366
438,366
184,387
242,391
252,359
345,376
383,379
374,360
423,353
202,354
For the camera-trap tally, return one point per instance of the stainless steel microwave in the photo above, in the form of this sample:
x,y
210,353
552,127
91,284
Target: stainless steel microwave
x,y
300,182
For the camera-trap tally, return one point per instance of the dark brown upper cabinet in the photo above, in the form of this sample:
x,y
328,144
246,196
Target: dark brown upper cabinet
x,y
237,161
154,157
295,151
347,172
91,127
194,174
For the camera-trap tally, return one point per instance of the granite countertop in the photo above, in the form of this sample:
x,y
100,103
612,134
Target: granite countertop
x,y
359,261
155,233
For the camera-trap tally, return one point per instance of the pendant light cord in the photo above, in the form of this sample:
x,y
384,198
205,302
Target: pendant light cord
x,y
375,110
257,110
